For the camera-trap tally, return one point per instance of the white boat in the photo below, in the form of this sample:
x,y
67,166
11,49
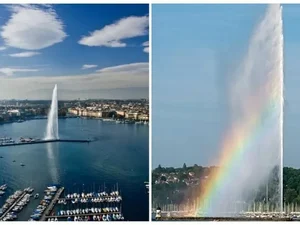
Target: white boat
x,y
108,120
52,188
3,187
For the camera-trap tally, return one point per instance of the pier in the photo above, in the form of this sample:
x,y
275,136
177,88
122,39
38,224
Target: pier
x,y
46,141
52,204
13,205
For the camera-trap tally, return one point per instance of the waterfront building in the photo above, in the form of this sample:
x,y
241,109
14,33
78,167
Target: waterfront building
x,y
131,115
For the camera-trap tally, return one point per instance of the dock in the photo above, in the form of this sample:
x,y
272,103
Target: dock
x,y
46,141
52,204
13,205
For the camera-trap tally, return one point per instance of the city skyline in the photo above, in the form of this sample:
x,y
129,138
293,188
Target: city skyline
x,y
74,51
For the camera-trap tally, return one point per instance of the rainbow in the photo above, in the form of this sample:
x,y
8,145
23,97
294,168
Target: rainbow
x,y
237,141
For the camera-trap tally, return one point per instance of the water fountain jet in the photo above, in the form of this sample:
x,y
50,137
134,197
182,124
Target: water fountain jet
x,y
253,145
52,123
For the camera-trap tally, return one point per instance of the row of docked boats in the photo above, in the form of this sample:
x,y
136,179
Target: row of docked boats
x,y
131,122
142,122
10,201
10,216
88,211
15,204
6,141
92,195
113,217
90,200
21,204
38,212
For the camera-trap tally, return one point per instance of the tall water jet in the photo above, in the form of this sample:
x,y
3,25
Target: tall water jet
x,y
52,124
252,150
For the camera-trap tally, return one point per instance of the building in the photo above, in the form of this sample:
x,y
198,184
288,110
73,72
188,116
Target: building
x,y
144,117
130,115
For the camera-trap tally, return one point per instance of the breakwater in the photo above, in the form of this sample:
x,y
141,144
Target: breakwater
x,y
46,141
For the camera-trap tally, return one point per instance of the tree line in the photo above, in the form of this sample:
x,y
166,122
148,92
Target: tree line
x,y
179,192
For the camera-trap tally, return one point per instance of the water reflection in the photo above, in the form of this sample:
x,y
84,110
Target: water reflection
x,y
53,169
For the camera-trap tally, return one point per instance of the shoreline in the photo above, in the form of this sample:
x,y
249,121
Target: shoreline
x,y
224,219
82,117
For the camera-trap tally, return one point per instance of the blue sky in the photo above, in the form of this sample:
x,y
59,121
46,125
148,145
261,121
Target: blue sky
x,y
107,44
193,48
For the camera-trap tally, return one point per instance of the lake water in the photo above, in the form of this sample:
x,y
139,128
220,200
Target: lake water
x,y
120,155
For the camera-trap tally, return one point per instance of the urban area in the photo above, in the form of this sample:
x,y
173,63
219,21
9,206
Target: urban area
x,y
121,111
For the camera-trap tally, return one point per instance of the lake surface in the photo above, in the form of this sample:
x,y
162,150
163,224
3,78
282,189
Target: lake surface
x,y
120,155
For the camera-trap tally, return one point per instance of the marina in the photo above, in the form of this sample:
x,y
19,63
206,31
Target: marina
x,y
92,214
92,206
91,197
49,208
14,204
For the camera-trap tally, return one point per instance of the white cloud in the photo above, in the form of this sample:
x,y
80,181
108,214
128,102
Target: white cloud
x,y
146,49
88,66
113,34
11,71
132,68
123,81
24,54
2,48
32,28
146,45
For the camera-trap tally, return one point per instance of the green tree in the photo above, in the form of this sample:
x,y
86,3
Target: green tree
x,y
291,195
163,178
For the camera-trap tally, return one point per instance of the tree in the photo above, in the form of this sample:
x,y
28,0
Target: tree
x,y
184,166
291,195
163,178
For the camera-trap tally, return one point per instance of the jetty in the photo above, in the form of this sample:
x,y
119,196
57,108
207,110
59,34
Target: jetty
x,y
53,202
45,141
13,204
